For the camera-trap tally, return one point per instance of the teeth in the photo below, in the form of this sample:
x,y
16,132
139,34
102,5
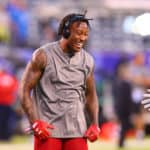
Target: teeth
x,y
80,44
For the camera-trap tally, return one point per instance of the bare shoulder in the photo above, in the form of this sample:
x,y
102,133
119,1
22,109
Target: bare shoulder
x,y
39,58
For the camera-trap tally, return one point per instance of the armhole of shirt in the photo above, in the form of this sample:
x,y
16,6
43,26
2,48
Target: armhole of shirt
x,y
90,62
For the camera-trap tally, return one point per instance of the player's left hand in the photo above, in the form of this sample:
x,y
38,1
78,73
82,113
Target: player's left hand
x,y
92,133
146,100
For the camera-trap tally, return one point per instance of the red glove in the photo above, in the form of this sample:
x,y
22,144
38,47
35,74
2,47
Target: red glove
x,y
40,129
92,133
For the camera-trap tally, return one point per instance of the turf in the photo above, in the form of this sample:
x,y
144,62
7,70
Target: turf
x,y
26,143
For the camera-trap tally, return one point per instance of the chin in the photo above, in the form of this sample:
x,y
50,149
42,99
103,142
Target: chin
x,y
75,49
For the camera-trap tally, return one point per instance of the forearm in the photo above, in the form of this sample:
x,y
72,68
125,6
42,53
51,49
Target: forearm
x,y
92,108
28,108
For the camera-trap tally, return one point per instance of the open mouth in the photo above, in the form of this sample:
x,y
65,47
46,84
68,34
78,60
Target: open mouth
x,y
78,45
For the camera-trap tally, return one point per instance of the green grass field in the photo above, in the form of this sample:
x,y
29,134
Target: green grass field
x,y
26,143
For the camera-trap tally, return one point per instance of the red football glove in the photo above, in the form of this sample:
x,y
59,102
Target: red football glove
x,y
92,133
40,129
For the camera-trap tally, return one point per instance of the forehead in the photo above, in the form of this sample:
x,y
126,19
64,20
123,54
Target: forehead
x,y
79,25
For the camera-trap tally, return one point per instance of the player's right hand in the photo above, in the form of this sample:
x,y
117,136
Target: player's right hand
x,y
40,129
146,100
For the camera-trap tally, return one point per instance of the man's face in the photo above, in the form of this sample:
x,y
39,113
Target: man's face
x,y
78,36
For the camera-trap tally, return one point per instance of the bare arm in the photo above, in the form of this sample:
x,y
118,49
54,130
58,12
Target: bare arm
x,y
31,77
92,100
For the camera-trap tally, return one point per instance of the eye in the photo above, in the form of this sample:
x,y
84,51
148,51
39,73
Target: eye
x,y
79,32
82,33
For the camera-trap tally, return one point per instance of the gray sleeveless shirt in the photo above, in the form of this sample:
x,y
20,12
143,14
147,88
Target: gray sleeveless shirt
x,y
59,96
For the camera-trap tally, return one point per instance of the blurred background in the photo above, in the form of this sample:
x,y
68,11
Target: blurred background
x,y
120,44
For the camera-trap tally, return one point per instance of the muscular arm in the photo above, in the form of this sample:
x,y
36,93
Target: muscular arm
x,y
92,100
30,78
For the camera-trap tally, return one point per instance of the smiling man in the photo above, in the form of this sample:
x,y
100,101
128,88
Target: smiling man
x,y
60,78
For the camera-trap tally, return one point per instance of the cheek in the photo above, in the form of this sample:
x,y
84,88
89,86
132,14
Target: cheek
x,y
74,35
72,39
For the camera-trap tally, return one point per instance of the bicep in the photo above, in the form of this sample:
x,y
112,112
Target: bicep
x,y
33,71
31,76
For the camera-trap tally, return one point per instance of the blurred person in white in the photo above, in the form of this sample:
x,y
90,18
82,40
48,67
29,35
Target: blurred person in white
x,y
140,79
146,100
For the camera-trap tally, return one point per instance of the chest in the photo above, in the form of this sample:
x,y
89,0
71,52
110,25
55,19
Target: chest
x,y
72,70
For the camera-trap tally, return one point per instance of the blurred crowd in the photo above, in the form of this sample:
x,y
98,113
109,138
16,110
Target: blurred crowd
x,y
21,32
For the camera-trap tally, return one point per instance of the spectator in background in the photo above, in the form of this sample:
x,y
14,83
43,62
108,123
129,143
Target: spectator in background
x,y
20,21
8,89
140,79
121,91
48,34
4,25
146,100
100,93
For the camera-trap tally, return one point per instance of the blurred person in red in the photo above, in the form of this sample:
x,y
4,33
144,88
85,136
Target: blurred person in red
x,y
8,89
140,79
58,90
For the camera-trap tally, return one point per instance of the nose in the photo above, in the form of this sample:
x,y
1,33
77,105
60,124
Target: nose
x,y
83,38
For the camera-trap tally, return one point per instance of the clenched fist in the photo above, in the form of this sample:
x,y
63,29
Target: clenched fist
x,y
92,133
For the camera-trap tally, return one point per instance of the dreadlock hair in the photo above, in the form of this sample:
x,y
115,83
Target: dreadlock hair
x,y
68,20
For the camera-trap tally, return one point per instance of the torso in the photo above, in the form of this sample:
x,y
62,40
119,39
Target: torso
x,y
60,94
